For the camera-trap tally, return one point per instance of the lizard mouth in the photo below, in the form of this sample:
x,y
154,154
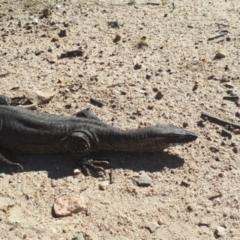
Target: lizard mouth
x,y
174,140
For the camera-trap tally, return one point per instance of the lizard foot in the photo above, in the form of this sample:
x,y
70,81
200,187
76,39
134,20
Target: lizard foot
x,y
8,162
92,163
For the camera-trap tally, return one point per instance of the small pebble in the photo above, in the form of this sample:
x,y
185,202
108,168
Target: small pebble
x,y
103,185
159,95
219,56
195,87
201,123
190,208
160,221
151,226
137,66
185,183
35,21
148,76
47,12
229,85
143,180
78,237
66,205
236,131
220,231
117,38
155,89
62,33
235,150
150,106
54,39
54,183
76,172
220,175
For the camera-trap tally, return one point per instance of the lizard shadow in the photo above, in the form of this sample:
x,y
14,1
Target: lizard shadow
x,y
149,162
60,166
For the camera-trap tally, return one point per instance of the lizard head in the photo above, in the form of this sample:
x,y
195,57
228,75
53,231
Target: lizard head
x,y
170,135
158,137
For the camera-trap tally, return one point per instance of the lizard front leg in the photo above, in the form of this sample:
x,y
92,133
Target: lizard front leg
x,y
78,144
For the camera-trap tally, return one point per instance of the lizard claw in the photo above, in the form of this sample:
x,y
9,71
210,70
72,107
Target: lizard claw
x,y
91,163
20,167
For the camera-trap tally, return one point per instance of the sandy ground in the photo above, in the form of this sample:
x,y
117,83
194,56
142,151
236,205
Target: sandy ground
x,y
195,191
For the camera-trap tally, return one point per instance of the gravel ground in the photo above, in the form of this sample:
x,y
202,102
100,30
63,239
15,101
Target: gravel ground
x,y
186,52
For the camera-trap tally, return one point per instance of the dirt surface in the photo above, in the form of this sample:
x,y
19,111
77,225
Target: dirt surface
x,y
127,52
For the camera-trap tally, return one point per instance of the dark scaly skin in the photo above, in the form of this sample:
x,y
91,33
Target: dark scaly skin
x,y
41,133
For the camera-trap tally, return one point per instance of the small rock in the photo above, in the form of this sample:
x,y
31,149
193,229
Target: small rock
x,y
159,95
133,117
35,21
143,180
117,38
220,175
140,90
103,185
150,106
137,66
185,183
236,131
10,180
76,172
195,62
52,60
204,222
190,208
229,85
195,87
185,124
68,106
201,123
155,89
72,53
2,175
54,39
235,150
237,114
211,77
114,23
123,92
54,183
78,237
96,102
220,231
160,221
47,12
40,96
219,55
65,205
214,149
151,226
62,33
148,76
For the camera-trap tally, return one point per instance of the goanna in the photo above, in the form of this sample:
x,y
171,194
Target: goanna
x,y
41,133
